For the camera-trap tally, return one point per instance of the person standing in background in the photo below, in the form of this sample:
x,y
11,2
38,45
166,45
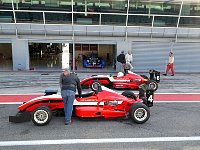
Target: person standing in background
x,y
121,59
129,59
170,64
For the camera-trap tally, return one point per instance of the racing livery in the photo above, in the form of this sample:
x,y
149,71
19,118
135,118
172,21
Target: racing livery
x,y
93,62
121,81
99,102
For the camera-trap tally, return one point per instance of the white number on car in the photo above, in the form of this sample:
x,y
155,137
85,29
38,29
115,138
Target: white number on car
x,y
150,99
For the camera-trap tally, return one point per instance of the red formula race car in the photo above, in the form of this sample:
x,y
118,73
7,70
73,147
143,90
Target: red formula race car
x,y
100,102
129,81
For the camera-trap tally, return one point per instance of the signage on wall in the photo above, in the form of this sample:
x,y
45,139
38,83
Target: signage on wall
x,y
93,47
78,47
86,47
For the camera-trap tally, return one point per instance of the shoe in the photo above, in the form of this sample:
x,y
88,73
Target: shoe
x,y
172,75
68,122
164,74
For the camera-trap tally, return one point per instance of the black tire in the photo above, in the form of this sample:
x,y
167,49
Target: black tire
x,y
152,85
94,85
145,77
139,113
129,94
41,116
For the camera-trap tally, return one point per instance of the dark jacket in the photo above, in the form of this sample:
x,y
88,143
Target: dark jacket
x,y
70,82
121,58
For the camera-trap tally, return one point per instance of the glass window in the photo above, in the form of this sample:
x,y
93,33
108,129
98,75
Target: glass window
x,y
113,6
135,20
109,6
86,18
149,7
34,17
119,20
137,7
84,6
6,17
6,5
192,22
164,21
190,8
65,5
52,5
58,18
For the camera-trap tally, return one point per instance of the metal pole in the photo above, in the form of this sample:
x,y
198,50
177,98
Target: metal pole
x,y
73,52
178,20
16,34
126,34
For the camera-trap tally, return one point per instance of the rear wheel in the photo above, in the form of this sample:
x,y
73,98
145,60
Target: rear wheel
x,y
94,85
41,116
139,113
129,94
152,85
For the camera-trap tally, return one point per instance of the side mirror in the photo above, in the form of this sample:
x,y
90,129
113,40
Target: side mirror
x,y
50,92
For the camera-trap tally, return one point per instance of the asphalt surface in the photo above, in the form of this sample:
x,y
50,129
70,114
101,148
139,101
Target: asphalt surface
x,y
167,119
38,82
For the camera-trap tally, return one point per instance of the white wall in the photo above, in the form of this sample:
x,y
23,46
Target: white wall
x,y
20,53
122,46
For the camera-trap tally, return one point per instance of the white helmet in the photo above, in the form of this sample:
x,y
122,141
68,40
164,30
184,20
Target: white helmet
x,y
120,74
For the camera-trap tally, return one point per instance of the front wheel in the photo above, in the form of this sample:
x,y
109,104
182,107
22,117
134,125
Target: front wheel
x,y
41,116
139,113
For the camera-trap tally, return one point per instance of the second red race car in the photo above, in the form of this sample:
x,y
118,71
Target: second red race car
x,y
128,81
100,102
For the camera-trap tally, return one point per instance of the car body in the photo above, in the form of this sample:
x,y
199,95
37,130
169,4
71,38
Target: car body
x,y
93,61
101,102
129,81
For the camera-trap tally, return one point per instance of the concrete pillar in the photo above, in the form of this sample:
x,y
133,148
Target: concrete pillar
x,y
65,56
122,46
20,54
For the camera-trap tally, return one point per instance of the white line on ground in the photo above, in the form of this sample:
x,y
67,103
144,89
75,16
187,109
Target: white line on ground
x,y
22,94
177,101
135,92
99,141
10,103
16,103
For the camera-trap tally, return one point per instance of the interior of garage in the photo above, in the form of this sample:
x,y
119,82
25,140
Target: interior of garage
x,y
48,56
5,56
106,52
45,56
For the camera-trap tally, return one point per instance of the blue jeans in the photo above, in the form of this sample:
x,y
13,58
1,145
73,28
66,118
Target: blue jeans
x,y
68,97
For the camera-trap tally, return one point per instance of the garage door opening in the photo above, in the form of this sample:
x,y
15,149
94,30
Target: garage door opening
x,y
56,56
6,57
94,57
45,56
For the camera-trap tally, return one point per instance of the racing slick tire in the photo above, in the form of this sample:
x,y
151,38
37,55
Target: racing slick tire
x,y
152,85
94,85
139,113
129,94
41,115
145,77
